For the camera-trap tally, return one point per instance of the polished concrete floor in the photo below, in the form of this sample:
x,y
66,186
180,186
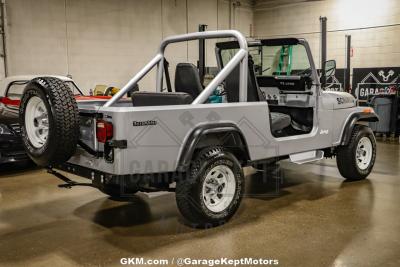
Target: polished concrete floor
x,y
309,218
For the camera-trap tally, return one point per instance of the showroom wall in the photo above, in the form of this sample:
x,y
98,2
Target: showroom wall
x,y
106,42
377,44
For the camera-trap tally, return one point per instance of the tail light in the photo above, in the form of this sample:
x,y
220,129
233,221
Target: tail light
x,y
104,131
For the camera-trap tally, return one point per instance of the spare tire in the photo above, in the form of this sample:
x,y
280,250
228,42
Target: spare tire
x,y
49,119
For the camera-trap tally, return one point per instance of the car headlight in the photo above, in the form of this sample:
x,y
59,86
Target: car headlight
x,y
4,130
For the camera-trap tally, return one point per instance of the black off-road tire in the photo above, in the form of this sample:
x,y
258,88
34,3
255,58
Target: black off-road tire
x,y
63,121
189,196
346,155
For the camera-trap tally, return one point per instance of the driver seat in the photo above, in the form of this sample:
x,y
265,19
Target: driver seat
x,y
278,121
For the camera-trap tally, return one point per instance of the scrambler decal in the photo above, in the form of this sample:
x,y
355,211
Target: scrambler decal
x,y
345,100
144,123
340,100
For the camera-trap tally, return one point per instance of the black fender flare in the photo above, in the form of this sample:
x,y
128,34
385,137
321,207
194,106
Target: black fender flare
x,y
354,119
200,131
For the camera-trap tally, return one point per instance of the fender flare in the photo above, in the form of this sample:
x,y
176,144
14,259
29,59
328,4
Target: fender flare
x,y
200,131
354,119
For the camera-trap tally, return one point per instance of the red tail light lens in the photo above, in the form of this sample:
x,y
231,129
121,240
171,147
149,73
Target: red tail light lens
x,y
104,131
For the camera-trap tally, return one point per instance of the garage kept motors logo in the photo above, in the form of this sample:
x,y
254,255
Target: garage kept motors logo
x,y
375,81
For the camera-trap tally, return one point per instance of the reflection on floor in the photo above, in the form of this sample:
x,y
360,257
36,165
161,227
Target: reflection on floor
x,y
310,217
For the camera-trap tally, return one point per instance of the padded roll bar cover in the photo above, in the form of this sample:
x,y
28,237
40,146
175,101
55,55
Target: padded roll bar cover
x,y
141,99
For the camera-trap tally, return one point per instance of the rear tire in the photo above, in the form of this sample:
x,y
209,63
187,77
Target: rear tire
x,y
49,121
212,192
356,160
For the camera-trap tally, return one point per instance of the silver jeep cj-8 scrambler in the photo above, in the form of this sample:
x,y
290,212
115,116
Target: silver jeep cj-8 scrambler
x,y
265,104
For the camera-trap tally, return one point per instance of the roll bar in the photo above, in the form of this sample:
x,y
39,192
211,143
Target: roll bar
x,y
241,57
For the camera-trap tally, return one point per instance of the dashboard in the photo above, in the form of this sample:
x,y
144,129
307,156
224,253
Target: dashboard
x,y
285,90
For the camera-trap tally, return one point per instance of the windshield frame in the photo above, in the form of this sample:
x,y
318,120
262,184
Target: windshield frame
x,y
271,42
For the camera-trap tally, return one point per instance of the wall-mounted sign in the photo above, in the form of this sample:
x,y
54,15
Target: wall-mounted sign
x,y
375,81
335,83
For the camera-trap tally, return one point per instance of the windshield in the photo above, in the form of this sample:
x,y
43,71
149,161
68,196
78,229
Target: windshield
x,y
16,89
284,60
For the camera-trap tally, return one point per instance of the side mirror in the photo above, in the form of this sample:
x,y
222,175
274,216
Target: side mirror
x,y
330,68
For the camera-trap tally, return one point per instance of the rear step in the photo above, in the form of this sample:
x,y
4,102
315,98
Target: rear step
x,y
305,157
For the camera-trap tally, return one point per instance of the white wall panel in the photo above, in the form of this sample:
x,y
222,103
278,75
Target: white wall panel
x,y
376,47
36,36
106,42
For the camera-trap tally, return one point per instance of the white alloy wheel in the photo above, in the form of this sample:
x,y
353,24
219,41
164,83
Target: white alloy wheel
x,y
364,153
219,188
36,122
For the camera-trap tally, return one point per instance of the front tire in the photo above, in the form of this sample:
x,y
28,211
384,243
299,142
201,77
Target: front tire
x,y
356,160
212,193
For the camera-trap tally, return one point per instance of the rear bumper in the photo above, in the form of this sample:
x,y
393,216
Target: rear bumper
x,y
99,179
102,180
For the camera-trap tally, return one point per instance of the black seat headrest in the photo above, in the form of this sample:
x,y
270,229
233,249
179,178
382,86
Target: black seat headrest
x,y
187,79
140,99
